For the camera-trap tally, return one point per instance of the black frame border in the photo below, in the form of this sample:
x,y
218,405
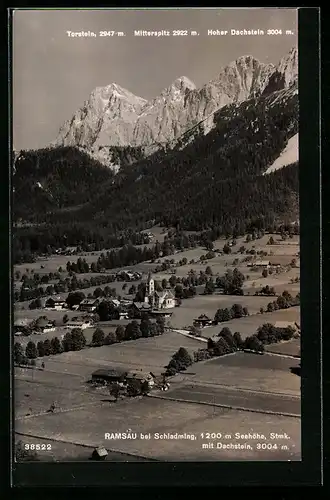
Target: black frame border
x,y
308,472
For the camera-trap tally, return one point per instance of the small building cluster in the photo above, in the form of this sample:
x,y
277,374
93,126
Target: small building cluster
x,y
128,276
122,377
158,300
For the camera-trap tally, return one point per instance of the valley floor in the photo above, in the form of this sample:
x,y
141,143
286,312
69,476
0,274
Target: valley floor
x,y
214,401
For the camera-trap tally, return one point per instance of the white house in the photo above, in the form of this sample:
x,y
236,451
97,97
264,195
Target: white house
x,y
78,324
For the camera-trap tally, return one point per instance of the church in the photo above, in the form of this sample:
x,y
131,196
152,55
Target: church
x,y
158,300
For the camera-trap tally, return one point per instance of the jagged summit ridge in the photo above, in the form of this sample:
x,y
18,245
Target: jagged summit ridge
x,y
288,67
114,116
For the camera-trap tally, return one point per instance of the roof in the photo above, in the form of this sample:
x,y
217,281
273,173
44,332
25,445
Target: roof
x,y
138,375
204,317
261,263
116,302
77,323
165,293
162,312
142,305
101,451
58,298
89,302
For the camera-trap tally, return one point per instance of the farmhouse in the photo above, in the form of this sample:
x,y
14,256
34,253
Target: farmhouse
x,y
141,377
78,324
141,307
99,453
114,302
202,321
165,313
55,303
89,305
126,302
45,326
109,375
70,251
123,315
158,300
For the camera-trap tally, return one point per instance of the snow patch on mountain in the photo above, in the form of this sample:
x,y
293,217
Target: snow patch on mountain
x,y
290,154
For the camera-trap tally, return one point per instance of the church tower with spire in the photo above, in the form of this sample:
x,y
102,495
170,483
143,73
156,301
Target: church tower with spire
x,y
150,289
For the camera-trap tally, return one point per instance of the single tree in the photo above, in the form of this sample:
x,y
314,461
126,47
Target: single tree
x,y
111,338
41,349
237,311
160,324
120,333
145,327
18,353
238,340
114,390
55,346
98,337
47,348
208,270
31,350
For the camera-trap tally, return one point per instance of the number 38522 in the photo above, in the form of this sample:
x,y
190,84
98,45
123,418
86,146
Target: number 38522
x,y
37,447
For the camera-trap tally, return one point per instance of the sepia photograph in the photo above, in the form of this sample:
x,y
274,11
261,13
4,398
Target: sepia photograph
x,y
156,235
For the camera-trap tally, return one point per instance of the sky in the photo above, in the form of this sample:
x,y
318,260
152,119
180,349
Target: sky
x,y
53,73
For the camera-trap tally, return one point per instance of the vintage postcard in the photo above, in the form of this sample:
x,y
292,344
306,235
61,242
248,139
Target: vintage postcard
x,y
156,235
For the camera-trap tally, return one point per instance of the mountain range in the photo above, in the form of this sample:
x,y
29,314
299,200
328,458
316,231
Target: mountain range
x,y
115,117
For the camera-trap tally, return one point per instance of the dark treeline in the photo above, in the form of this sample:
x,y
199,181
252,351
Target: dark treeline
x,y
130,255
54,178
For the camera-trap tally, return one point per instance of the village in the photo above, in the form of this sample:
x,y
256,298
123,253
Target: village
x,y
162,340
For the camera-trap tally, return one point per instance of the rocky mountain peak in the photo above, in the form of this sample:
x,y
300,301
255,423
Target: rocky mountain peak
x,y
183,83
288,66
114,116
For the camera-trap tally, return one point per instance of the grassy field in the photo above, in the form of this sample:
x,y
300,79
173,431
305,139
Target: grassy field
x,y
290,348
265,373
150,354
236,399
148,415
209,304
248,326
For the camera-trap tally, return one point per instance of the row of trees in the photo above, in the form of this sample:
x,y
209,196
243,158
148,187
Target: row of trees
x,y
133,330
67,284
226,314
130,255
229,343
283,301
75,340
